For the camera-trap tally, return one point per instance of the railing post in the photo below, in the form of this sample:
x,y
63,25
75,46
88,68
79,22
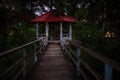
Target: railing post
x,y
63,44
24,61
35,53
44,44
78,63
40,44
108,72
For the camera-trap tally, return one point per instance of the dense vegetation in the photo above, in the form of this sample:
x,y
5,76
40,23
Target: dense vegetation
x,y
96,19
97,27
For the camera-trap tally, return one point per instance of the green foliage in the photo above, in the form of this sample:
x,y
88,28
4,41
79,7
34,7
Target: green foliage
x,y
18,34
94,17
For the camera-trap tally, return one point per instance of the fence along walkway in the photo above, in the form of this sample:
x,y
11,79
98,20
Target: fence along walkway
x,y
26,54
52,65
80,62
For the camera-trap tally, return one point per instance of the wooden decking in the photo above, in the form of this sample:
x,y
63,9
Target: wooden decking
x,y
52,65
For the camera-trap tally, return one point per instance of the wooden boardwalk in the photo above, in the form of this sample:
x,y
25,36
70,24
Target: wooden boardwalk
x,y
52,65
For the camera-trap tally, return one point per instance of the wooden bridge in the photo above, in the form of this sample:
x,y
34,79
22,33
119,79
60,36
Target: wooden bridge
x,y
54,60
52,65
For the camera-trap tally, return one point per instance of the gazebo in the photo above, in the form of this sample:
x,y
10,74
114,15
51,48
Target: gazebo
x,y
51,17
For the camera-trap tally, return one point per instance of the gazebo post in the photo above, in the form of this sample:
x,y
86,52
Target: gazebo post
x,y
47,29
61,32
70,31
37,30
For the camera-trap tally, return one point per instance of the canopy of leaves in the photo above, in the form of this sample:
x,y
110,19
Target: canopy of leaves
x,y
92,15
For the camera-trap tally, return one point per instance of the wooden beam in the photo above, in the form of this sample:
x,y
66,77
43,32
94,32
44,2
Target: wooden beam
x,y
92,71
108,72
9,52
111,62
78,62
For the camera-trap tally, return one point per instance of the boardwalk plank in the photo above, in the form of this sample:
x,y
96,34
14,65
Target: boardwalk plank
x,y
52,65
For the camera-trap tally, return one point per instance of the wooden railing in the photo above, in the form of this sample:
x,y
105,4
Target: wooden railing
x,y
27,54
79,62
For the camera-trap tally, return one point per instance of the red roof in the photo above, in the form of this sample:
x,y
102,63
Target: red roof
x,y
51,17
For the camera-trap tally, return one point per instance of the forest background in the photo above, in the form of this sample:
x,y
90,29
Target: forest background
x,y
97,27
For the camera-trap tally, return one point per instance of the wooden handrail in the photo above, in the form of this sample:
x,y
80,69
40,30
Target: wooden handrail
x,y
96,75
111,62
70,56
84,74
73,53
78,60
23,59
15,49
11,67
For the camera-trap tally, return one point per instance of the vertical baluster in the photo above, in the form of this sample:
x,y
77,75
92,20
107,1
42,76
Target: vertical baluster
x,y
78,62
24,61
40,45
44,44
108,72
63,44
35,53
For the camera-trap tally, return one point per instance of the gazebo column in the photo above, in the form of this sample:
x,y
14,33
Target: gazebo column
x,y
37,31
61,32
47,30
70,31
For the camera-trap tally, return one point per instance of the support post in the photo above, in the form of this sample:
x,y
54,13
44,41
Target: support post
x,y
108,72
35,53
37,31
70,31
61,32
24,61
78,62
47,30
